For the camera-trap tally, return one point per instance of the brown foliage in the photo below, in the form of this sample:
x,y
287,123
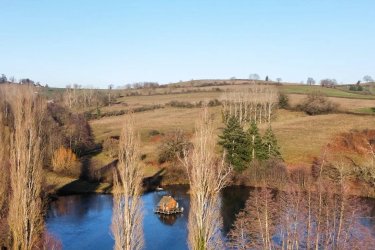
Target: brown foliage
x,y
360,142
173,146
65,162
110,147
316,103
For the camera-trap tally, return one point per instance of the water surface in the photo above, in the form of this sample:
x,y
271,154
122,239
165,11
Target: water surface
x,y
83,221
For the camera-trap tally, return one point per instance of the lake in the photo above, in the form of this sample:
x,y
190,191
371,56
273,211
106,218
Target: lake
x,y
83,221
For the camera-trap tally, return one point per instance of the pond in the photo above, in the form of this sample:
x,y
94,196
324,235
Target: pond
x,y
84,221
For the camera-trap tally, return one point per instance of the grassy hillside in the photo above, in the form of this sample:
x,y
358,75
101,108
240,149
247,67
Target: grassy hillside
x,y
332,92
301,137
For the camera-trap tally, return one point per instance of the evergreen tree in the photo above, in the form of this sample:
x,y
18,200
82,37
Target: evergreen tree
x,y
256,148
270,144
235,142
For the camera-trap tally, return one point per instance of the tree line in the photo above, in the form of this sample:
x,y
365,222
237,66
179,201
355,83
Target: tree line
x,y
36,138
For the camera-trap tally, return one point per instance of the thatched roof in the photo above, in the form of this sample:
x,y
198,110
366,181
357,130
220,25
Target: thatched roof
x,y
167,201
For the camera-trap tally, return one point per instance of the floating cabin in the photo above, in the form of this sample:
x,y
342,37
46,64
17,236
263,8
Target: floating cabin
x,y
168,205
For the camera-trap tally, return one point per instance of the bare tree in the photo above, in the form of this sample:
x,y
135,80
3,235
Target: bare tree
x,y
254,77
329,83
256,104
279,79
4,154
256,224
207,176
25,217
3,78
310,81
368,79
69,96
12,79
110,87
317,215
127,208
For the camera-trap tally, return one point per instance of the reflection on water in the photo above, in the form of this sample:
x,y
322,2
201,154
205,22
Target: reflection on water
x,y
233,200
83,221
168,219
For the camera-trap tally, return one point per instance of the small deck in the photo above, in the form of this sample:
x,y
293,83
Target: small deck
x,y
172,211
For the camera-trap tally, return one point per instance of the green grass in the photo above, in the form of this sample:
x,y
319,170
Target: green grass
x,y
332,92
367,110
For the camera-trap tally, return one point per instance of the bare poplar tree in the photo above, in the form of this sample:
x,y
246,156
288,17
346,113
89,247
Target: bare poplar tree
x,y
257,103
208,175
127,208
25,217
318,215
4,153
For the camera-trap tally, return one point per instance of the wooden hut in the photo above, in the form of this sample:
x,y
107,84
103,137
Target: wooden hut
x,y
168,205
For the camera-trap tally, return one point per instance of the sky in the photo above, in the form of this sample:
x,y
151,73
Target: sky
x,y
96,43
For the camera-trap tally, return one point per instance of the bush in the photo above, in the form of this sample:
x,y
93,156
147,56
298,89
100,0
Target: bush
x,y
153,132
181,104
173,146
214,102
283,101
175,175
110,147
356,88
178,104
316,103
65,162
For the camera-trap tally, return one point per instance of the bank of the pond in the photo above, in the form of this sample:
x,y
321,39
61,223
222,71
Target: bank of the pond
x,y
60,185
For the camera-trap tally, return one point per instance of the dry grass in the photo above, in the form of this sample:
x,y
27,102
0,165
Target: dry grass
x,y
300,137
344,103
72,185
163,120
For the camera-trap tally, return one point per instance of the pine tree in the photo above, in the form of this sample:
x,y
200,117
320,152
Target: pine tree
x,y
256,148
270,144
235,142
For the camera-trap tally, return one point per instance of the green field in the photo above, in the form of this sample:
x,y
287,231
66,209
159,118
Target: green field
x,y
332,92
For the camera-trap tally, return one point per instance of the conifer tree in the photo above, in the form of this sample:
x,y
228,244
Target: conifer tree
x,y
235,142
256,148
270,144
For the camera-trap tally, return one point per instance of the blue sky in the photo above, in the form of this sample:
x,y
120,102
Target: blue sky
x,y
101,42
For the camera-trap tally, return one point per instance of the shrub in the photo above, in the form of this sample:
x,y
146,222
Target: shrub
x,y
178,104
316,103
175,175
110,147
214,102
283,101
153,132
173,146
182,104
356,88
65,162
